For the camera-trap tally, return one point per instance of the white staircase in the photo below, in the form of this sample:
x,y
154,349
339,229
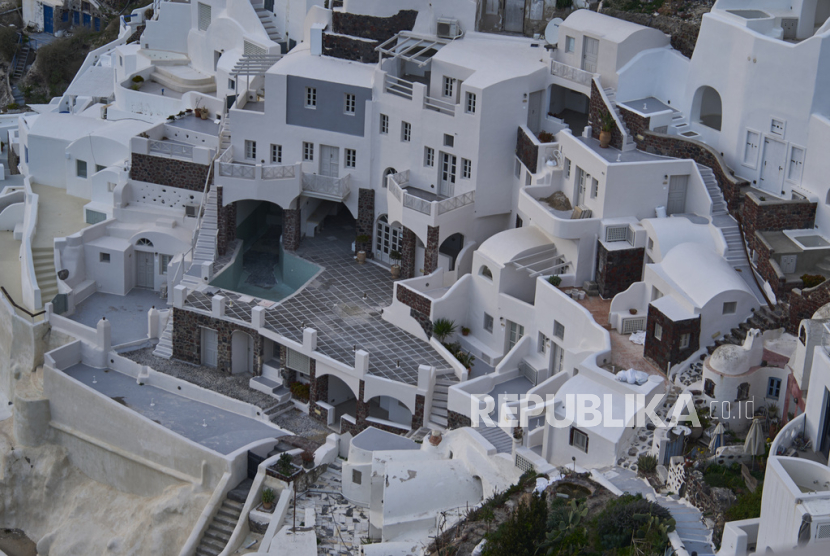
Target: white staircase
x,y
440,394
500,440
225,133
628,140
164,348
267,19
45,274
205,249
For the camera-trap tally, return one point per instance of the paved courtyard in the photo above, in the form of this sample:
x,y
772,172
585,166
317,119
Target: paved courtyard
x,y
127,313
213,428
344,303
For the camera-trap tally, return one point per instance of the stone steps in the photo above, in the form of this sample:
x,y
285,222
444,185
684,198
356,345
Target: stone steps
x,y
218,533
500,440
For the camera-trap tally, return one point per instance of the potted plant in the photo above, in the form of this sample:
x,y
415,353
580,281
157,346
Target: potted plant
x,y
283,466
633,311
443,328
268,497
606,127
465,331
205,113
360,241
308,459
554,281
396,266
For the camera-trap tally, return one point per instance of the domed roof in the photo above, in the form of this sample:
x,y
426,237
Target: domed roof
x,y
823,313
731,360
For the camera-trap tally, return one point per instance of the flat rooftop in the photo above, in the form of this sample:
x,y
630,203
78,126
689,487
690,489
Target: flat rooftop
x,y
344,303
127,313
216,429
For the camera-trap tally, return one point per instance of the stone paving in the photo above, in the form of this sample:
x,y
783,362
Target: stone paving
x,y
344,303
341,526
691,375
641,440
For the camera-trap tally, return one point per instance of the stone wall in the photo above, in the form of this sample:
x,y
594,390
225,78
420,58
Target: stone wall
x,y
527,150
767,267
803,303
418,414
378,29
667,349
457,420
347,48
407,254
431,251
187,339
365,223
420,307
169,171
596,109
618,269
774,215
291,232
226,223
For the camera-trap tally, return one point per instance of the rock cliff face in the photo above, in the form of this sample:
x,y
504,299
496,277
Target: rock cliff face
x,y
67,513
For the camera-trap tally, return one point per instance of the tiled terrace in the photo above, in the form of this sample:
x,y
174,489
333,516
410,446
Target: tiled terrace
x,y
344,303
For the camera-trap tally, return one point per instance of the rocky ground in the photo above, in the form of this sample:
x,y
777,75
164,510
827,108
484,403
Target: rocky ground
x,y
14,542
301,424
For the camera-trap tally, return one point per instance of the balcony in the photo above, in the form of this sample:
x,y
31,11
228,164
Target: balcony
x,y
276,183
416,89
572,74
326,187
557,223
416,208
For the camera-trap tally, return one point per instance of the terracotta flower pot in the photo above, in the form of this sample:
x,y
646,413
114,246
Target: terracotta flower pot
x,y
361,257
604,139
633,311
396,272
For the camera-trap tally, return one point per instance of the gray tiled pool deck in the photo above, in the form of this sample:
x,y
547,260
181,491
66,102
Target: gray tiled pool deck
x,y
344,303
219,430
127,313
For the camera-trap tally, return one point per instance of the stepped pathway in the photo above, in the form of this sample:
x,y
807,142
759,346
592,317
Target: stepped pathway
x,y
221,528
500,440
440,394
694,534
267,19
628,140
164,348
205,249
762,319
45,273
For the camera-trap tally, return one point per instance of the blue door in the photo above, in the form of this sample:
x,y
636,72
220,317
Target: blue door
x,y
97,23
76,18
87,20
48,13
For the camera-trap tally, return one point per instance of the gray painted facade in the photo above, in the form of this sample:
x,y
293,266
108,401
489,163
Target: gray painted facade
x,y
330,113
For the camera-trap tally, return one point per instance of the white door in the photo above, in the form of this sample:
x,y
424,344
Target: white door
x,y
329,161
387,239
448,166
514,334
491,7
144,269
514,16
772,168
677,195
557,354
580,184
788,263
590,54
242,353
534,111
210,347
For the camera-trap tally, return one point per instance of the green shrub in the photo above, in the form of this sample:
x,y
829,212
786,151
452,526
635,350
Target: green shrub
x,y
646,464
284,465
554,281
59,61
12,106
564,4
812,280
268,495
748,506
138,79
624,516
523,531
443,328
545,137
8,42
300,391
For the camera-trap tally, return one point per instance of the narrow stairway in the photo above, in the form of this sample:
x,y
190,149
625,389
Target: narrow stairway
x,y
762,319
628,140
438,411
500,440
225,133
164,348
221,528
267,19
21,61
45,273
205,249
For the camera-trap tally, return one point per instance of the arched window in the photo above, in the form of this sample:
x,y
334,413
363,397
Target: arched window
x,y
707,108
386,173
485,271
144,242
709,387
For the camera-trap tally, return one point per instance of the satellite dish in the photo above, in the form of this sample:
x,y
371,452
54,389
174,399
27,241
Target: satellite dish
x,y
552,30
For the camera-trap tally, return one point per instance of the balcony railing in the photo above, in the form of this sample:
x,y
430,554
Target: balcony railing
x,y
439,105
168,148
397,185
230,169
398,86
571,73
326,187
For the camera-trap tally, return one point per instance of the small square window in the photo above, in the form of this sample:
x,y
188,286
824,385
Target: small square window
x,y
730,307
406,132
466,168
351,103
80,168
429,156
658,331
579,440
567,167
684,341
449,83
231,84
384,123
774,387
276,154
351,158
570,44
190,211
104,257
449,140
311,97
488,322
559,330
308,151
357,476
470,106
99,167
250,150
164,260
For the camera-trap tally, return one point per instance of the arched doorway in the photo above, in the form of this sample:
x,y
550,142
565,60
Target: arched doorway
x,y
386,173
144,264
388,408
388,238
242,352
707,108
449,250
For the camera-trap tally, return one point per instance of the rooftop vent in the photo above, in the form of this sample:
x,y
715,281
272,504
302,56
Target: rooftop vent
x,y
448,29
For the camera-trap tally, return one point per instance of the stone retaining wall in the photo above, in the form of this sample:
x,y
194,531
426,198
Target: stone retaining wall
x,y
526,150
667,349
618,269
420,306
187,339
169,171
774,215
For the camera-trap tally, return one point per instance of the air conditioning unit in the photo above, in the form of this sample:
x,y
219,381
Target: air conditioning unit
x,y
448,29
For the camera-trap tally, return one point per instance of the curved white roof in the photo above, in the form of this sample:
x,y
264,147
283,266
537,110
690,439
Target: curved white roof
x,y
823,313
670,232
733,360
700,273
604,26
511,244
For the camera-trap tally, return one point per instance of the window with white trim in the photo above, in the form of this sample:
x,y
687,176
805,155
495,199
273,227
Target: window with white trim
x,y
488,322
276,154
429,156
350,104
164,260
80,168
559,330
751,148
774,387
658,331
570,44
470,105
204,16
351,158
311,97
568,168
684,341
308,151
231,84
730,307
384,123
579,440
250,150
449,140
542,343
466,168
447,90
616,233
594,188
406,132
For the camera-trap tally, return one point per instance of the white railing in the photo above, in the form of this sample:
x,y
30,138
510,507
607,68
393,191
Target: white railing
x,y
327,187
529,372
277,172
398,86
571,73
455,202
395,188
232,170
439,105
171,149
417,204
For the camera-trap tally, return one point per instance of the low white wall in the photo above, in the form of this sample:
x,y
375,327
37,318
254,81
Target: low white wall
x,y
28,283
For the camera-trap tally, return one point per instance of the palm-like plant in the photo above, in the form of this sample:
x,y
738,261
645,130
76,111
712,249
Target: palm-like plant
x,y
443,328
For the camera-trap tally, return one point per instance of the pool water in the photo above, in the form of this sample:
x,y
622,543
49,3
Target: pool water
x,y
811,241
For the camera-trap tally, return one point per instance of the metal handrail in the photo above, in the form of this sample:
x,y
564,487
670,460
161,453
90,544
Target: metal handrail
x,y
205,192
16,306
